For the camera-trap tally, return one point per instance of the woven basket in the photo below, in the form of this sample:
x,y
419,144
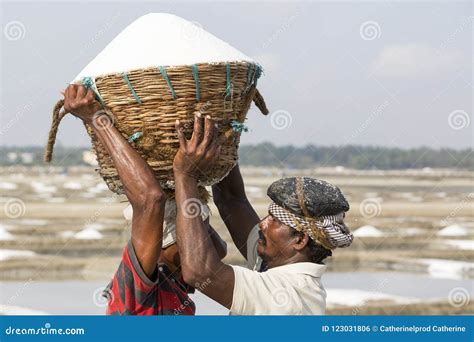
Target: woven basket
x,y
144,105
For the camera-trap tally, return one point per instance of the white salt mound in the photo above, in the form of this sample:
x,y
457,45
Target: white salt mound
x,y
5,235
368,231
67,234
160,39
347,297
8,186
43,188
461,244
6,254
448,269
72,185
453,230
88,234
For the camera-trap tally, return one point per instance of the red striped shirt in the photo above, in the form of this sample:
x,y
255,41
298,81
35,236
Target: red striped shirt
x,y
131,292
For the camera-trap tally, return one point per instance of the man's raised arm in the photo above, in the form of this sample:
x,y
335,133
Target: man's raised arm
x,y
235,209
199,260
140,185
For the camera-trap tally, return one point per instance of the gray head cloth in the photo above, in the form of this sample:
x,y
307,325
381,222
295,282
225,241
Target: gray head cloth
x,y
312,206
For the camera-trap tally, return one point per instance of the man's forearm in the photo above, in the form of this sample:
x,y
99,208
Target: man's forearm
x,y
198,256
137,176
142,190
235,209
232,186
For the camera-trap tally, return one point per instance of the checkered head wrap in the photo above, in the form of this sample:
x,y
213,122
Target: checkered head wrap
x,y
328,230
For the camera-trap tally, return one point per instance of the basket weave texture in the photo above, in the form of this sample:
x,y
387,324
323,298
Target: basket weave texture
x,y
144,105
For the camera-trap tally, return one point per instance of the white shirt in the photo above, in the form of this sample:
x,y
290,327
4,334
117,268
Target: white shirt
x,y
294,289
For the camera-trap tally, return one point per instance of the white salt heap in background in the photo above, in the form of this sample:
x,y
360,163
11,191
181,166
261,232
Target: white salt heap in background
x,y
160,39
6,254
368,231
5,234
453,230
88,234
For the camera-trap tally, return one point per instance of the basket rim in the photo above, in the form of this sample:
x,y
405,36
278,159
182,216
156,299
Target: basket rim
x,y
168,67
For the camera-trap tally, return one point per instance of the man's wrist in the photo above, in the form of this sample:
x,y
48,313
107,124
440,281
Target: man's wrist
x,y
99,120
183,175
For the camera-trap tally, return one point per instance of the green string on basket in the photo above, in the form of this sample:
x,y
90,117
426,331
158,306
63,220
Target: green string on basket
x,y
165,76
135,136
229,83
89,83
238,126
125,77
257,74
196,80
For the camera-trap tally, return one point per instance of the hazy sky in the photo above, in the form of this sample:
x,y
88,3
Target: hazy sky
x,y
369,73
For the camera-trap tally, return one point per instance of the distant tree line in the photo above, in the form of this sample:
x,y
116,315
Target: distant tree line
x,y
356,157
267,154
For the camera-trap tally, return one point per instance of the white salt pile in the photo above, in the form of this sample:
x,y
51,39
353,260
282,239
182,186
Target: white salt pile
x,y
67,234
461,244
6,254
453,230
72,185
346,297
43,188
8,186
95,226
88,234
368,231
160,39
448,269
5,234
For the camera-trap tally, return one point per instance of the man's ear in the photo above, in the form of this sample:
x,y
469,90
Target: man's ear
x,y
301,241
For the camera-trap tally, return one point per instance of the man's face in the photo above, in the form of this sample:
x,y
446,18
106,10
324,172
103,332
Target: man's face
x,y
275,241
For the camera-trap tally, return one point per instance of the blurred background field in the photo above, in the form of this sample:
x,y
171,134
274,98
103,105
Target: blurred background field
x,y
62,233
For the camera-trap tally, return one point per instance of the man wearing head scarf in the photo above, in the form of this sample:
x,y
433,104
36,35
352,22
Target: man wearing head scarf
x,y
284,250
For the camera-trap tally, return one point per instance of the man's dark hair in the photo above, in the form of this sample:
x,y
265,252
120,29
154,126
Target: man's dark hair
x,y
316,252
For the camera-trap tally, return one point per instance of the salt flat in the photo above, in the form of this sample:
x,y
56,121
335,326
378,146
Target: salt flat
x,y
72,230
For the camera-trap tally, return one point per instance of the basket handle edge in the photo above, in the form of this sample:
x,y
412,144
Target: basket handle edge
x,y
58,115
260,102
